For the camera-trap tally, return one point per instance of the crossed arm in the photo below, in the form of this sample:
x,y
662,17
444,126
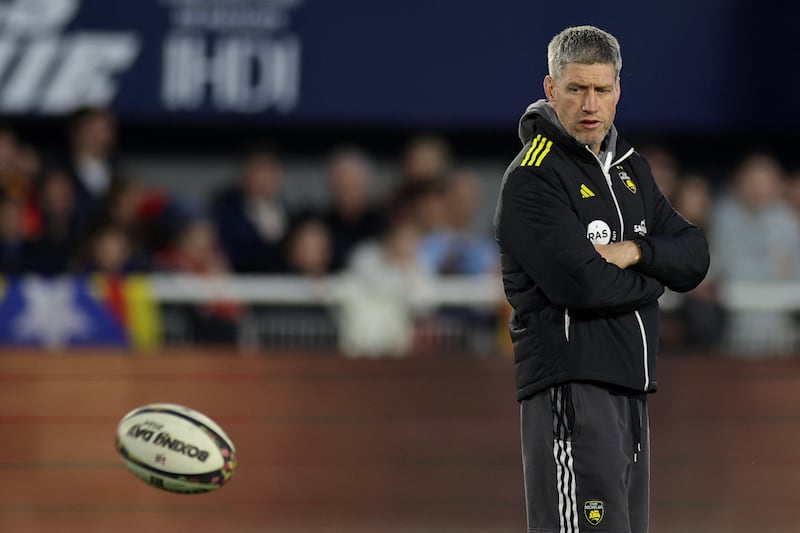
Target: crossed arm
x,y
622,254
538,228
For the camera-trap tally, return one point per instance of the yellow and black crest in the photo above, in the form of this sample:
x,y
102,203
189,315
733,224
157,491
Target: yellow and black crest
x,y
629,183
594,511
586,192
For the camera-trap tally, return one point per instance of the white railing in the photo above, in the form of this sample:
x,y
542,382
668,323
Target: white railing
x,y
761,296
302,325
484,294
480,291
474,291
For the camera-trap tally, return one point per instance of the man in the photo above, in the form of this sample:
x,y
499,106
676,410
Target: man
x,y
351,218
587,245
91,161
748,253
251,215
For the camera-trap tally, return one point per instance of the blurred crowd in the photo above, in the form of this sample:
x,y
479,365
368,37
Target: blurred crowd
x,y
751,217
78,212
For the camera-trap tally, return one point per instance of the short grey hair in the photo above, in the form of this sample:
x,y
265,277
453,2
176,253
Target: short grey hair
x,y
586,45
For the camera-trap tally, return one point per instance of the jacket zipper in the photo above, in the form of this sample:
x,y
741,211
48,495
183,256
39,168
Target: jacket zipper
x,y
605,170
566,323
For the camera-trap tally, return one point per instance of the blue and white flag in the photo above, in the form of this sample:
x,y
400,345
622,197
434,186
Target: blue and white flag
x,y
54,313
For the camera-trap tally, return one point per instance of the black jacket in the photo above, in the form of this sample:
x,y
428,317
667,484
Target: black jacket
x,y
575,316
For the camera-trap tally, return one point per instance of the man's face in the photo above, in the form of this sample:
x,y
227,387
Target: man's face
x,y
585,99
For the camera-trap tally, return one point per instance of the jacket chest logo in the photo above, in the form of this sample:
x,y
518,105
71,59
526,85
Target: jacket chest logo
x,y
599,232
621,174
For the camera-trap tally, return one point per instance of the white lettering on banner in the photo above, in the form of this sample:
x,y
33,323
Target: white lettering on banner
x,y
231,15
7,50
185,72
259,73
43,70
86,73
31,17
242,74
235,57
21,91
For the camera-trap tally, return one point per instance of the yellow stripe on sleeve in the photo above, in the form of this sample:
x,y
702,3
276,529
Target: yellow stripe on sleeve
x,y
530,150
544,153
535,153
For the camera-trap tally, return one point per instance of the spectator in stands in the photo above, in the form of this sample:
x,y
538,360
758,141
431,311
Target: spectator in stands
x,y
251,216
455,247
143,214
309,249
665,169
62,230
308,252
693,199
426,162
427,208
756,238
383,294
698,320
111,252
198,252
13,182
91,161
123,202
13,246
30,167
19,170
426,158
8,152
29,164
351,219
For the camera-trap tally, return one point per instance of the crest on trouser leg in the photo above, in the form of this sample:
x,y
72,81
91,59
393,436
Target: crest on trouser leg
x,y
594,511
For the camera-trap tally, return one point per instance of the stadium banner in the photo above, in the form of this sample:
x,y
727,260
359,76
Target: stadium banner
x,y
82,311
358,62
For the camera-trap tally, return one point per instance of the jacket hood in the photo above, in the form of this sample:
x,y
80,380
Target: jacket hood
x,y
542,108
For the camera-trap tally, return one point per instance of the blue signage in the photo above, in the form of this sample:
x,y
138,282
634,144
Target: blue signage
x,y
416,63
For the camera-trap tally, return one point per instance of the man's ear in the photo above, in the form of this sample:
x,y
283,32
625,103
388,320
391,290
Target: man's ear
x,y
549,87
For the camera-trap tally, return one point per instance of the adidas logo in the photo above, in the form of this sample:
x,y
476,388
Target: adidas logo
x,y
586,192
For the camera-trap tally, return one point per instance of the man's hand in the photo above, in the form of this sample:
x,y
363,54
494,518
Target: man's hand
x,y
623,254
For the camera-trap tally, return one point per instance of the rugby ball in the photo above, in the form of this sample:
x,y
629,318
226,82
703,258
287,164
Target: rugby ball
x,y
175,448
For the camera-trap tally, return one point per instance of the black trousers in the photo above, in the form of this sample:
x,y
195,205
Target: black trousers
x,y
586,460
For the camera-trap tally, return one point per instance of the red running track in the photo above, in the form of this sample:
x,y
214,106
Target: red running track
x,y
327,444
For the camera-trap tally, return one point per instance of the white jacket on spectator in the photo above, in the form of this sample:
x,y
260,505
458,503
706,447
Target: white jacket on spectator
x,y
382,293
756,245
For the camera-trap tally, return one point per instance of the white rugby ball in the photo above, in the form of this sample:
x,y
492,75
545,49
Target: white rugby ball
x,y
175,448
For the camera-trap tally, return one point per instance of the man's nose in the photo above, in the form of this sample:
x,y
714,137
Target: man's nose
x,y
590,102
